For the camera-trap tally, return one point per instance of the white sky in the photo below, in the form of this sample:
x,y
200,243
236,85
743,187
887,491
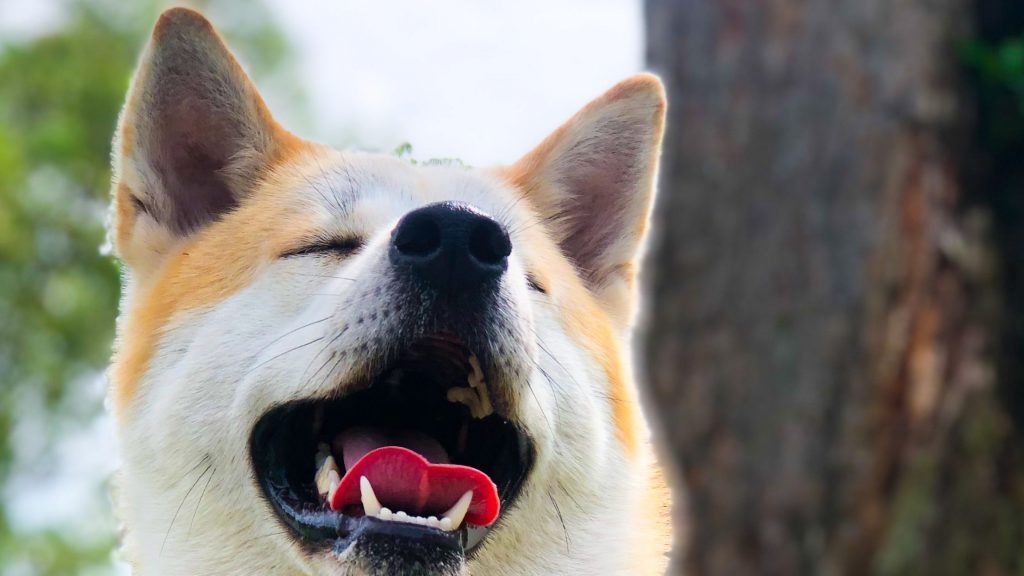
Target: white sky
x,y
481,80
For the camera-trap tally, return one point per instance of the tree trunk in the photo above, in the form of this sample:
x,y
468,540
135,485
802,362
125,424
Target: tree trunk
x,y
828,295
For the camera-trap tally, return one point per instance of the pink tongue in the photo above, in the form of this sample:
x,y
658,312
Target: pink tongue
x,y
357,442
403,479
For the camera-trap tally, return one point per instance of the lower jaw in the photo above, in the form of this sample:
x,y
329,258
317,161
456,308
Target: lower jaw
x,y
322,530
374,547
336,532
387,549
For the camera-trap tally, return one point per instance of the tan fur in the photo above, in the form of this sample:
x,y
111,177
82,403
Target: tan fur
x,y
204,308
204,270
641,100
272,144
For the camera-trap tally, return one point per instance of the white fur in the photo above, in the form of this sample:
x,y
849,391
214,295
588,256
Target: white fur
x,y
218,370
187,494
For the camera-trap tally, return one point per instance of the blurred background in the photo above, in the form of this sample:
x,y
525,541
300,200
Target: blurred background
x,y
835,315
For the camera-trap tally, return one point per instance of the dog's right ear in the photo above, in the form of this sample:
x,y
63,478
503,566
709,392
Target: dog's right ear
x,y
193,139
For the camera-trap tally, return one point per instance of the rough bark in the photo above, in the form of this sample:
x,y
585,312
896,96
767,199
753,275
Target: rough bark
x,y
825,294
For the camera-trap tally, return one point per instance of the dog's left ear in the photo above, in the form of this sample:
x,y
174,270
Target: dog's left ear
x,y
593,180
193,140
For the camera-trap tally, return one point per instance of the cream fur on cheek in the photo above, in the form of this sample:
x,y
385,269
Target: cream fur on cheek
x,y
270,336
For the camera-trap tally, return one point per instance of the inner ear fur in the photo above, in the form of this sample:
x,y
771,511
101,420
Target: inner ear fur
x,y
593,180
193,139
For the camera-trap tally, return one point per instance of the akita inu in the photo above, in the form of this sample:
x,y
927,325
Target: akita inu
x,y
345,363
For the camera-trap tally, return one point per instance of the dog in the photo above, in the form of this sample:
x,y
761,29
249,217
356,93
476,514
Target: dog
x,y
344,363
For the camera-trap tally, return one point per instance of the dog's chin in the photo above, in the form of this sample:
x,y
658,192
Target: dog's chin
x,y
310,456
386,549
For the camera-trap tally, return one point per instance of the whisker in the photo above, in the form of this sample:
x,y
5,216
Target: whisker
x,y
529,386
289,333
288,351
561,520
194,468
182,503
322,276
317,355
199,502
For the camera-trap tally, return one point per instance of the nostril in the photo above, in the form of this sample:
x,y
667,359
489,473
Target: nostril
x,y
489,243
417,235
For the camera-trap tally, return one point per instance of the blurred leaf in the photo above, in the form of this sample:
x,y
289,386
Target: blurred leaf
x,y
60,95
999,69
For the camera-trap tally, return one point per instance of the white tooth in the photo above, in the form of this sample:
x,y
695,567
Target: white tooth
x,y
333,481
477,376
476,381
485,406
401,516
384,514
445,524
461,395
458,512
432,522
474,398
328,470
371,506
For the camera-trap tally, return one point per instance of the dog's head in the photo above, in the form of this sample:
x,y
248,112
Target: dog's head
x,y
343,363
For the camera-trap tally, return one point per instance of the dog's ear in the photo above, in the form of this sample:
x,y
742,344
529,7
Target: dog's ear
x,y
593,180
193,138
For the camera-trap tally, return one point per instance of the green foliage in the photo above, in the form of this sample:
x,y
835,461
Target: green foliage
x,y
1001,64
1000,73
404,152
59,99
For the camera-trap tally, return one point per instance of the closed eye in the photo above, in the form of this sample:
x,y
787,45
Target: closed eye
x,y
535,284
327,246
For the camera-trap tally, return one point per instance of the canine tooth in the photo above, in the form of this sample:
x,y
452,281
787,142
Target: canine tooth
x,y
326,474
384,514
445,524
458,512
371,506
333,481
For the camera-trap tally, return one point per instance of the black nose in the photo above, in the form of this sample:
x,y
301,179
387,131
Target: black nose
x,y
451,246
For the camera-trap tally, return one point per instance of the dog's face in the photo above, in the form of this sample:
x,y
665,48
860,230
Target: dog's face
x,y
338,363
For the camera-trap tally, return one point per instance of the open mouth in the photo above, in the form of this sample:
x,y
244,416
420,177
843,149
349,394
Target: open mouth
x,y
418,453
